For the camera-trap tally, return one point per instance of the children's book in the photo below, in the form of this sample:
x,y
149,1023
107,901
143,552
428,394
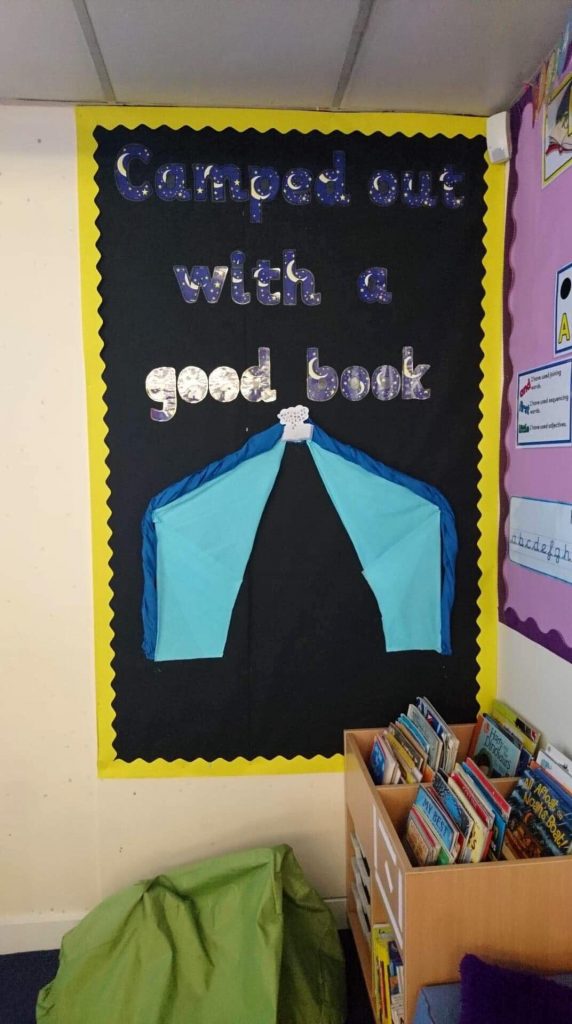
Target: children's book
x,y
434,743
526,733
497,754
555,770
417,738
404,739
410,773
439,821
459,816
450,741
420,842
395,984
438,852
480,837
564,762
497,803
382,761
489,790
377,761
540,823
380,963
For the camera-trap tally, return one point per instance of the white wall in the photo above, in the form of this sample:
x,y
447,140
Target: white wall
x,y
538,684
67,839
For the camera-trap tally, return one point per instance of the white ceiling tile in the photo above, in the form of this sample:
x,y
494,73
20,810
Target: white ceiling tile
x,y
454,56
43,53
224,52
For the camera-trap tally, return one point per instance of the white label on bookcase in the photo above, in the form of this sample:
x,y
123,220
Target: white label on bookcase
x,y
390,886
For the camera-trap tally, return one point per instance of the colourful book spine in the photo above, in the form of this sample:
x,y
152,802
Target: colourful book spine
x,y
377,762
456,812
381,935
500,820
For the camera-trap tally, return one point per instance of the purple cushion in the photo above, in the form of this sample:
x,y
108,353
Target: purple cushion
x,y
496,995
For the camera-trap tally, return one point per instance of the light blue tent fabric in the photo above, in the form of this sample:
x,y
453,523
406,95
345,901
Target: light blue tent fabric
x,y
256,445
397,538
204,540
198,535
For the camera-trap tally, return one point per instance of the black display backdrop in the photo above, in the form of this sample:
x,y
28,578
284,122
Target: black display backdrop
x,y
305,656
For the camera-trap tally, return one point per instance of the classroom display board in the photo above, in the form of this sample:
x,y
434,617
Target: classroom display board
x,y
535,592
235,264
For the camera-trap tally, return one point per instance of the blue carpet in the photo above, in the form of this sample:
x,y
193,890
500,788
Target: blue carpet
x,y
22,975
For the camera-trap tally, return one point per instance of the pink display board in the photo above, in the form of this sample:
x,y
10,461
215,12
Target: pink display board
x,y
535,583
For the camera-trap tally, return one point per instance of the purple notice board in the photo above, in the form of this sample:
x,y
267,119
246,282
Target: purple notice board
x,y
538,245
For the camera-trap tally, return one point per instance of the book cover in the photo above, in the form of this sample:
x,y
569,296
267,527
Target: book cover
x,y
450,741
540,823
499,806
404,740
479,839
377,762
494,752
435,744
419,841
564,762
439,820
459,816
392,772
444,856
488,788
525,757
525,731
395,983
416,737
380,962
408,769
555,770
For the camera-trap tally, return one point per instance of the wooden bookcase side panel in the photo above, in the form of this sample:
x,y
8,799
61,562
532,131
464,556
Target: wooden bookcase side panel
x,y
360,794
516,913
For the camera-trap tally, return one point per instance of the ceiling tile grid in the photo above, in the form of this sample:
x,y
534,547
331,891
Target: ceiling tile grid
x,y
453,56
43,53
239,53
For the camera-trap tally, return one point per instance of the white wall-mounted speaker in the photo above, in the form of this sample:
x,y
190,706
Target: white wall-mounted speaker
x,y
498,137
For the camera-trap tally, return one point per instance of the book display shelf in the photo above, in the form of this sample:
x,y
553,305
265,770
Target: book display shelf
x,y
516,912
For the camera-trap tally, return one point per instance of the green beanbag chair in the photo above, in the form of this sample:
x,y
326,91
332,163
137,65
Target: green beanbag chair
x,y
239,939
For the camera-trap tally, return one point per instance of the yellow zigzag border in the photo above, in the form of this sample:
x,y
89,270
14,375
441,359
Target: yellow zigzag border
x,y
87,119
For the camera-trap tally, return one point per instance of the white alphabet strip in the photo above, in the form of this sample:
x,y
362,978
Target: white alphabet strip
x,y
540,536
543,406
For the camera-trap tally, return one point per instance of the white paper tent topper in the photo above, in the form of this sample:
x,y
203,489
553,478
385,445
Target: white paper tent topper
x,y
295,426
198,535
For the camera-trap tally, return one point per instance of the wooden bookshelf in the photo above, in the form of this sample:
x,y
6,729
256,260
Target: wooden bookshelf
x,y
516,913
